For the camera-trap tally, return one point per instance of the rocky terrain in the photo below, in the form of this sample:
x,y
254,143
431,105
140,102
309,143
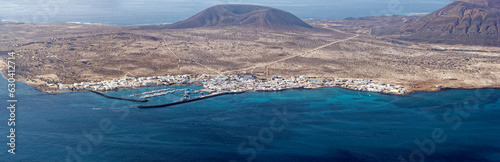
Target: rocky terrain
x,y
242,15
473,22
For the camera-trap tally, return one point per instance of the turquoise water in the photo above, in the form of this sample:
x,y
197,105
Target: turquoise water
x,y
328,124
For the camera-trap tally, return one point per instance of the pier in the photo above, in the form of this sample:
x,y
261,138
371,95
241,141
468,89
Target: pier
x,y
153,94
118,98
191,100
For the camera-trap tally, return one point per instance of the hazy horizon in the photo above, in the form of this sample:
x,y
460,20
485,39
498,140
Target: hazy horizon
x,y
135,12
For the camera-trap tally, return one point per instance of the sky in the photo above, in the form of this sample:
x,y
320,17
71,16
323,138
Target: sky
x,y
142,12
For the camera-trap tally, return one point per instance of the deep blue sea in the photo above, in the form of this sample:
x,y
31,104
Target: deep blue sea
x,y
142,12
327,124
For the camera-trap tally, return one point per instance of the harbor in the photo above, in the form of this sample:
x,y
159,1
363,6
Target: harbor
x,y
223,83
186,100
158,93
216,85
118,98
152,92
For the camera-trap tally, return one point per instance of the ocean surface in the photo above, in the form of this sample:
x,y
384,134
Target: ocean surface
x,y
147,12
326,124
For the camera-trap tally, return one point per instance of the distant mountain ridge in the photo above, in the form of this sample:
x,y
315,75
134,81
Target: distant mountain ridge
x,y
473,22
243,15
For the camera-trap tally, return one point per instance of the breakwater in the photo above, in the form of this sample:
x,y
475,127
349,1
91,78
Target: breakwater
x,y
190,100
118,98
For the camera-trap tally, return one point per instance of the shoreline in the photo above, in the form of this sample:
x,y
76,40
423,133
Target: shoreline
x,y
222,83
215,94
412,86
408,92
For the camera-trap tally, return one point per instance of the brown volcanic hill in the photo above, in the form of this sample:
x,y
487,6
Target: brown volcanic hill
x,y
242,15
472,22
